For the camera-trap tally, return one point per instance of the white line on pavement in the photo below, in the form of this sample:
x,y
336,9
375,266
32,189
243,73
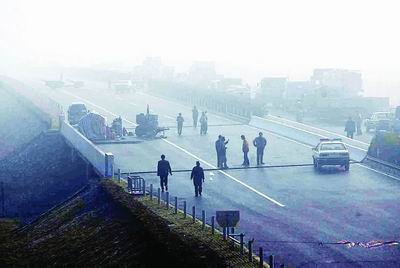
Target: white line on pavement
x,y
187,152
319,129
312,133
169,117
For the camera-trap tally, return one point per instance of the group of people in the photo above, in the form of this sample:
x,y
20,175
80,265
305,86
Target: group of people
x,y
164,170
195,116
352,126
197,175
259,142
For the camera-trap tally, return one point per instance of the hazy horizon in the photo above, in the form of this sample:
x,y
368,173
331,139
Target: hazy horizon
x,y
249,39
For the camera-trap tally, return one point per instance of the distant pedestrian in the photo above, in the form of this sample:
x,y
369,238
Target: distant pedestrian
x,y
350,128
203,123
195,116
358,124
179,121
260,142
223,148
198,178
218,150
163,169
245,149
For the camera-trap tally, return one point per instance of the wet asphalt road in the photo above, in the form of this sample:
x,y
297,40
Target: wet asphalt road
x,y
287,210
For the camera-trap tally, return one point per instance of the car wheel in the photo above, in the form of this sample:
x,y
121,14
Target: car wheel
x,y
347,166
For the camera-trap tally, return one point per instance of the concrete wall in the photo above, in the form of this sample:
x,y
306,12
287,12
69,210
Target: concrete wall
x,y
102,162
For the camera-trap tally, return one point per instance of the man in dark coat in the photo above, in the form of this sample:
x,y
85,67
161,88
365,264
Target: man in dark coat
x,y
260,142
350,128
195,115
218,149
198,178
163,169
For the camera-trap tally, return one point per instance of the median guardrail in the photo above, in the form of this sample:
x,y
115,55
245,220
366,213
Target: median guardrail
x,y
306,134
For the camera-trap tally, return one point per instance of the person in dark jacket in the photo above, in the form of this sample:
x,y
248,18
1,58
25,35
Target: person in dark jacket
x,y
195,116
350,128
163,169
223,148
198,178
179,121
260,142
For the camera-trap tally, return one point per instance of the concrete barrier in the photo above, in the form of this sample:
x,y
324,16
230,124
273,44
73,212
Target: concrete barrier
x,y
102,162
307,134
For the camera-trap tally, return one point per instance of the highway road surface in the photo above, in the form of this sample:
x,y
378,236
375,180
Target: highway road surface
x,y
288,210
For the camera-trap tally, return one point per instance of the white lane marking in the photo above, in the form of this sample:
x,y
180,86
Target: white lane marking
x,y
319,129
226,174
312,133
192,155
379,172
169,117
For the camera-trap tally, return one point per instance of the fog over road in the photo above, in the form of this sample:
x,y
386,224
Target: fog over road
x,y
296,204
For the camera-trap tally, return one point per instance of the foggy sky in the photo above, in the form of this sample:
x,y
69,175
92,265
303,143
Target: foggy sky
x,y
245,38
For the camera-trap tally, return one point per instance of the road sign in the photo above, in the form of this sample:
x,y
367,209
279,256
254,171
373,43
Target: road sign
x,y
228,218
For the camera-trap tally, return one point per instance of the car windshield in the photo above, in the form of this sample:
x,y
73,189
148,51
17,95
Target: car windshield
x,y
332,147
382,116
77,108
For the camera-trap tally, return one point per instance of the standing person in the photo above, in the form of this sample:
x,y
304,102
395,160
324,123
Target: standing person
x,y
195,116
358,124
203,122
163,169
223,148
218,149
180,121
350,128
206,123
245,149
198,178
260,142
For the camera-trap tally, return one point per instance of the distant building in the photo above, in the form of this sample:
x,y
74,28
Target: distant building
x,y
297,89
202,73
273,87
337,81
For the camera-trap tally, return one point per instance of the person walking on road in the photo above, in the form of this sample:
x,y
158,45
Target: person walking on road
x,y
163,169
198,178
180,121
218,149
203,123
358,124
260,142
245,149
350,128
195,116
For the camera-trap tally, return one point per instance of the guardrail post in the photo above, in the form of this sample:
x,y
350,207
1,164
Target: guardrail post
x,y
250,247
151,191
167,203
224,235
119,175
184,209
159,196
203,219
212,225
261,256
194,214
129,184
271,261
241,244
144,188
176,205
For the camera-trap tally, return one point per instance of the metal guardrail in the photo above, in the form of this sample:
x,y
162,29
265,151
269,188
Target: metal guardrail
x,y
384,163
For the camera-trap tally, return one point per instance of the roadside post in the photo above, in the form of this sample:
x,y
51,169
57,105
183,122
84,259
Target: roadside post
x,y
184,209
151,191
203,219
271,261
119,176
212,225
176,205
261,256
159,196
250,248
167,203
194,214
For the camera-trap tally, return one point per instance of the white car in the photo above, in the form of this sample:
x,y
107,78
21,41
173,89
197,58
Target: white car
x,y
331,152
